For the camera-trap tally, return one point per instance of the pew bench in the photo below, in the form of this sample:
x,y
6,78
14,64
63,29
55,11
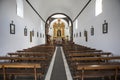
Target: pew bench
x,y
39,50
92,60
43,61
89,54
8,69
14,59
83,51
30,54
96,71
99,59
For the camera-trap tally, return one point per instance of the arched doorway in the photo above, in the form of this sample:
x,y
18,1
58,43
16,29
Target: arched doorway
x,y
58,25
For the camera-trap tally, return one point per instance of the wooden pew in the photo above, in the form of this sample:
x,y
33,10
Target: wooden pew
x,y
93,59
41,60
75,55
38,49
89,54
94,71
34,55
75,47
84,51
15,69
14,59
30,54
35,50
44,58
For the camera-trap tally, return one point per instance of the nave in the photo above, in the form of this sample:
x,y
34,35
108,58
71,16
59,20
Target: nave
x,y
30,30
61,62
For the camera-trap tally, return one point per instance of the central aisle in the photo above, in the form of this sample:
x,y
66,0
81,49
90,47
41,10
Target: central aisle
x,y
58,69
58,72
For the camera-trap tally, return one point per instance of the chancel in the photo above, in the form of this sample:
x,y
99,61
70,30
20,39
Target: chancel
x,y
59,40
59,29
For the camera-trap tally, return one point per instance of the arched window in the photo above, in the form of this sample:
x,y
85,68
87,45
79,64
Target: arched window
x,y
98,7
76,24
20,10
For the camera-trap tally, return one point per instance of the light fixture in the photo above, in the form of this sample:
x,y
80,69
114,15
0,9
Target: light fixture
x,y
58,16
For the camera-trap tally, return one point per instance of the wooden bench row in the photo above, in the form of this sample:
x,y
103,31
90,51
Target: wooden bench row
x,y
97,71
8,69
94,58
39,48
89,54
84,51
76,47
34,58
31,54
85,62
14,59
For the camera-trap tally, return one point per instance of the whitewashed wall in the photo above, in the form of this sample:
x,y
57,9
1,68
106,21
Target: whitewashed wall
x,y
106,42
12,42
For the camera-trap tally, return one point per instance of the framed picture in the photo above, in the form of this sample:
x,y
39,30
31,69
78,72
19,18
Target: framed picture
x,y
105,27
86,35
12,28
31,36
33,33
80,34
25,31
37,34
76,34
92,31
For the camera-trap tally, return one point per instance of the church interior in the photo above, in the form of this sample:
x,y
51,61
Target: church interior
x,y
59,40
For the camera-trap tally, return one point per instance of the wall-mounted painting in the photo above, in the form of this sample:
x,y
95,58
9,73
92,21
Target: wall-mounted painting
x,y
92,31
37,34
25,31
105,27
80,34
12,28
33,33
86,35
31,36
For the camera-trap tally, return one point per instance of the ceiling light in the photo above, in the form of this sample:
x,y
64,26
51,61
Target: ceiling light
x,y
58,16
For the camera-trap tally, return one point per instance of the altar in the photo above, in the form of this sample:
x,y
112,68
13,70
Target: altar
x,y
59,30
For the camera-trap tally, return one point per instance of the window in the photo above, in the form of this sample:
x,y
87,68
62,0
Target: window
x,y
41,26
76,24
20,8
98,7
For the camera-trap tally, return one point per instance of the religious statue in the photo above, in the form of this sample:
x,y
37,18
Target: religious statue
x,y
59,33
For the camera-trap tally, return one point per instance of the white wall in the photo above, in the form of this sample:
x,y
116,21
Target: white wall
x,y
106,42
12,42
